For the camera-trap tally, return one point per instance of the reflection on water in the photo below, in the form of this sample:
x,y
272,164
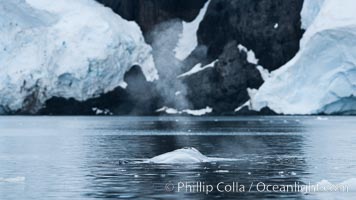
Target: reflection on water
x,y
101,158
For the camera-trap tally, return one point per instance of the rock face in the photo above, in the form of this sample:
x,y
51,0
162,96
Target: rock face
x,y
224,87
148,13
271,28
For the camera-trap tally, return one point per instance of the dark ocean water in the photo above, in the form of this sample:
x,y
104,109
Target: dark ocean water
x,y
104,157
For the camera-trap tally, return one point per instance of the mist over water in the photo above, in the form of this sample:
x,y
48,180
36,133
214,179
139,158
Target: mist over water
x,y
164,39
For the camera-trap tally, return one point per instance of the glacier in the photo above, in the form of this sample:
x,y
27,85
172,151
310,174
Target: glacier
x,y
72,49
321,78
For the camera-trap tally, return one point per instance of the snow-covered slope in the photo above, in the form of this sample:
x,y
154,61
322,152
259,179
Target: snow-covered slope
x,y
310,11
65,48
321,78
188,39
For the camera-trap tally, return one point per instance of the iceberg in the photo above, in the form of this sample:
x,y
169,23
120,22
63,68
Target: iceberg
x,y
71,49
321,78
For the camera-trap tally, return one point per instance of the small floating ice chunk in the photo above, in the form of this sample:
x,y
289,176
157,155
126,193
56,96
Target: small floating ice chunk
x,y
18,179
185,155
322,118
222,171
200,112
172,111
101,112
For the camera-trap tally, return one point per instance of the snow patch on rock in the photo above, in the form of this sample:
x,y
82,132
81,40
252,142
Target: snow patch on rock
x,y
197,68
99,111
246,104
251,57
188,39
72,49
264,72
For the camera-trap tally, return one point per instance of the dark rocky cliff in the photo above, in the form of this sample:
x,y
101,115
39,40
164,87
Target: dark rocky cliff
x,y
252,24
224,86
271,28
148,13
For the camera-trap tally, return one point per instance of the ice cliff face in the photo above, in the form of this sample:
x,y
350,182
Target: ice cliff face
x,y
321,78
71,49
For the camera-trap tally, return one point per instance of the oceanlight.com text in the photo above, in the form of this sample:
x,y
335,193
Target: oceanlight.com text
x,y
236,187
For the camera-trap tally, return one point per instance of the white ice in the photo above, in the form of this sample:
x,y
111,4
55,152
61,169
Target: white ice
x,y
72,49
18,179
251,57
321,78
199,112
198,68
188,39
